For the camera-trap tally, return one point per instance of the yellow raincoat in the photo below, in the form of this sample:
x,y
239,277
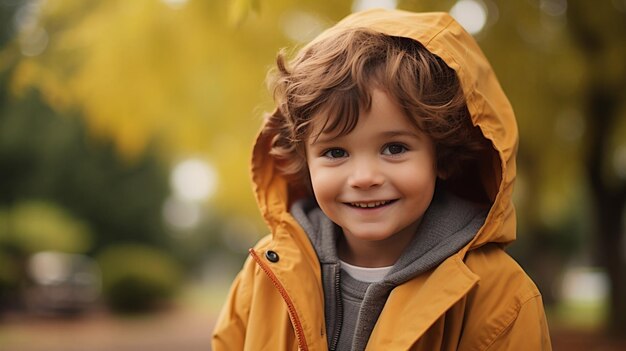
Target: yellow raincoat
x,y
477,299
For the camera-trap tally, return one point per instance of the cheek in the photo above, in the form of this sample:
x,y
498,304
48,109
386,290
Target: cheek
x,y
320,180
325,183
416,179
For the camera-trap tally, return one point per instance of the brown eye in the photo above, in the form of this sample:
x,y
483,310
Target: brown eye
x,y
394,149
335,153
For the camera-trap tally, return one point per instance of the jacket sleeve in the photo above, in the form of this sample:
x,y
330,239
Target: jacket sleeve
x,y
528,331
230,329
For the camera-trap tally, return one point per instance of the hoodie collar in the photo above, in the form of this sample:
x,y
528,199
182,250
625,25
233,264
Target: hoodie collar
x,y
449,224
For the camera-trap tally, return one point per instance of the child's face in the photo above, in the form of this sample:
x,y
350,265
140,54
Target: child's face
x,y
377,181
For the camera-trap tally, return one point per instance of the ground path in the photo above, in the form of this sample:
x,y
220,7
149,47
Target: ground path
x,y
172,330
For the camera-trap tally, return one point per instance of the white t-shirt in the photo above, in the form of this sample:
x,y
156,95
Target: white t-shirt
x,y
365,274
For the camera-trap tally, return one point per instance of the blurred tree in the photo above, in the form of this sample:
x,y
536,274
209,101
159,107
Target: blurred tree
x,y
7,12
46,153
144,70
599,30
46,156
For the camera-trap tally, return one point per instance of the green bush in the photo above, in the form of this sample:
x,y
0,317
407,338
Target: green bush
x,y
138,278
36,225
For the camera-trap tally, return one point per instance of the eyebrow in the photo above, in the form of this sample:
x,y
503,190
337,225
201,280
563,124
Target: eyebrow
x,y
387,134
395,133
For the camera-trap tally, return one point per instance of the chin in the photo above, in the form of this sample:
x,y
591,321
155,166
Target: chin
x,y
369,235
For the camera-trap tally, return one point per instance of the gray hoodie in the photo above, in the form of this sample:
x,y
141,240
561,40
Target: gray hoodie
x,y
352,307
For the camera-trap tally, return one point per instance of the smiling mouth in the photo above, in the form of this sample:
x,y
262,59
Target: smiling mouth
x,y
370,204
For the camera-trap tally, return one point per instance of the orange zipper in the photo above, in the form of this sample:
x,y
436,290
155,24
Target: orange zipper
x,y
293,315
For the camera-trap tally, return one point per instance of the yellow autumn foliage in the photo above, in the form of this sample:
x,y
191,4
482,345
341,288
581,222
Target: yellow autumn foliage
x,y
177,74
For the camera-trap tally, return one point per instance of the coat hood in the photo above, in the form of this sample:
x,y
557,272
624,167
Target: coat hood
x,y
489,108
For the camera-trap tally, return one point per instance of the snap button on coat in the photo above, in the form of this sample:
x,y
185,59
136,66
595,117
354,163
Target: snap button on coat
x,y
271,256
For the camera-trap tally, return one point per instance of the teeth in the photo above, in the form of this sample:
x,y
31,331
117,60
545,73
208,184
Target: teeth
x,y
369,204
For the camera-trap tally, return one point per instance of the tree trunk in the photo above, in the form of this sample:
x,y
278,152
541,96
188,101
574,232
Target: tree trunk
x,y
608,201
602,96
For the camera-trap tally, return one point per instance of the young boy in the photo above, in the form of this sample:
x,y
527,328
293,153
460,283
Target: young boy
x,y
385,175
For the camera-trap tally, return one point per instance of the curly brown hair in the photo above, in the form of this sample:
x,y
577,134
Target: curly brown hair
x,y
334,78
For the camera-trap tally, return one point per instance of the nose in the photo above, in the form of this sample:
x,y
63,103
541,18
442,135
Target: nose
x,y
365,174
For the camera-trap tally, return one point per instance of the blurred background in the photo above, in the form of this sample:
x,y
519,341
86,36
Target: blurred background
x,y
125,133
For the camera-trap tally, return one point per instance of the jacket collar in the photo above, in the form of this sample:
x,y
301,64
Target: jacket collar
x,y
412,308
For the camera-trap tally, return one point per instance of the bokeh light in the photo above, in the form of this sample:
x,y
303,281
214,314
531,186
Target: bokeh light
x,y
553,7
180,214
194,180
471,14
175,4
619,161
302,26
360,5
